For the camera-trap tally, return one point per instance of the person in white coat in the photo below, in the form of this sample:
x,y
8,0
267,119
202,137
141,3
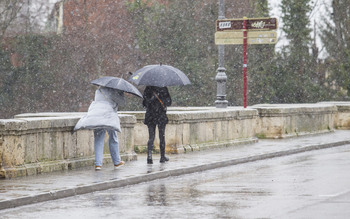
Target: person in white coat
x,y
102,116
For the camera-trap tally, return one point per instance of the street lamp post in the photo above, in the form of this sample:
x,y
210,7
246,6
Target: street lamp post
x,y
221,77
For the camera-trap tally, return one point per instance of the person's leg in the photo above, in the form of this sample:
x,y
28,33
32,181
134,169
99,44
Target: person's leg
x,y
114,146
161,128
151,136
99,138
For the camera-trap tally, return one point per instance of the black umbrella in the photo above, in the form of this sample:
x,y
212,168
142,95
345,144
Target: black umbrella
x,y
117,83
159,76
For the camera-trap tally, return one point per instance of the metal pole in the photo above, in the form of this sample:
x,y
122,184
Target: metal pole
x,y
221,77
245,62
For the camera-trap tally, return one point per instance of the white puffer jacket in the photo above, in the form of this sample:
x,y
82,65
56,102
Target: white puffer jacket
x,y
103,111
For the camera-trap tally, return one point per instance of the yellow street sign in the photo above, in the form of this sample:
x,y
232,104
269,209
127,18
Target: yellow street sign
x,y
262,40
239,41
250,34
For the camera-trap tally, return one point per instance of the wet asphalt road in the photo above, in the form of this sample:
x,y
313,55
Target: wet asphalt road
x,y
308,185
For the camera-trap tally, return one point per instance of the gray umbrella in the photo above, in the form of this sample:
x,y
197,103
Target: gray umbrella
x,y
159,76
117,83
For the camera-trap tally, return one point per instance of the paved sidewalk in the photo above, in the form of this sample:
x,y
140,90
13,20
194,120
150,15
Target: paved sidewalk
x,y
32,189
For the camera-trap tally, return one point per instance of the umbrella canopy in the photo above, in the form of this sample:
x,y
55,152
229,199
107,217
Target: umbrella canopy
x,y
159,76
117,83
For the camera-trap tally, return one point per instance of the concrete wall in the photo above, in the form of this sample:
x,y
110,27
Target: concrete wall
x,y
43,142
36,143
289,120
342,117
197,128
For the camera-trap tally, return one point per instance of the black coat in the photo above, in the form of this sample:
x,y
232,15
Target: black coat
x,y
155,111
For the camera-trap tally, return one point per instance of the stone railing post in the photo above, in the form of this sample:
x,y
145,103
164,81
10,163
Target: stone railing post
x,y
221,77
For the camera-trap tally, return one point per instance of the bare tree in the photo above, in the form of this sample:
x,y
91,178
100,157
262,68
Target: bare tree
x,y
9,10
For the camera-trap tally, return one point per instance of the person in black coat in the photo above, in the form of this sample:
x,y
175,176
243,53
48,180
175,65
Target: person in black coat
x,y
156,100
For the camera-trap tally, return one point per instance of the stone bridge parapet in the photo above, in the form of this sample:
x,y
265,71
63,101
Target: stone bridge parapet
x,y
31,144
35,143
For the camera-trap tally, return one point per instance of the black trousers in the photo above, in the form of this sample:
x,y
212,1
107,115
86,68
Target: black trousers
x,y
151,137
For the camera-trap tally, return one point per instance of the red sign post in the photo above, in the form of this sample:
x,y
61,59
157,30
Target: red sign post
x,y
245,63
233,28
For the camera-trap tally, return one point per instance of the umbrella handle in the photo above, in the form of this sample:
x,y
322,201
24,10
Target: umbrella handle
x,y
161,102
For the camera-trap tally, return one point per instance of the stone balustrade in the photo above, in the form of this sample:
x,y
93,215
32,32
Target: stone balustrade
x,y
289,120
31,144
342,117
196,128
44,142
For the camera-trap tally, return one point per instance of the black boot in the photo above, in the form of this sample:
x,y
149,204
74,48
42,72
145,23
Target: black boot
x,y
163,158
149,155
149,160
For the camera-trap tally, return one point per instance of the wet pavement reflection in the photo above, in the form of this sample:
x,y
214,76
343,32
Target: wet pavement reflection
x,y
32,186
307,185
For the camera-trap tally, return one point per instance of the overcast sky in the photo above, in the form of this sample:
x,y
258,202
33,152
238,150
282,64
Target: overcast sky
x,y
319,8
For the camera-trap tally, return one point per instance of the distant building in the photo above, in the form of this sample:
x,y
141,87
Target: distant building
x,y
93,15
